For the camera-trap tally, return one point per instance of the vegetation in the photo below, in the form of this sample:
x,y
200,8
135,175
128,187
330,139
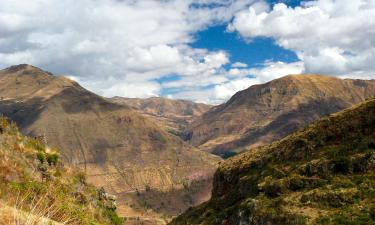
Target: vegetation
x,y
323,174
35,188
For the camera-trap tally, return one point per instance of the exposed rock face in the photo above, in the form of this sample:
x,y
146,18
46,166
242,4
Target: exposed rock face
x,y
267,112
172,115
116,146
323,174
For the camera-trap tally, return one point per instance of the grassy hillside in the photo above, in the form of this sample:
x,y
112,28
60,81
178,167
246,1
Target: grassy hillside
x,y
323,174
268,112
35,188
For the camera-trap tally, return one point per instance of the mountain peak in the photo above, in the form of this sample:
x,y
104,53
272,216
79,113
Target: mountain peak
x,y
25,67
266,112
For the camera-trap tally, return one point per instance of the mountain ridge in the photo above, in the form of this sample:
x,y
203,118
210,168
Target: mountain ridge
x,y
266,112
116,146
173,115
323,174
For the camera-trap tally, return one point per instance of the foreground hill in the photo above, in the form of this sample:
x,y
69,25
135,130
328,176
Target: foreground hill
x,y
172,115
267,112
35,188
324,174
117,147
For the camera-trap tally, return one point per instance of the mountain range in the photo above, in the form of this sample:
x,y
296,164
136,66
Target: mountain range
x,y
156,156
323,174
152,172
268,112
173,115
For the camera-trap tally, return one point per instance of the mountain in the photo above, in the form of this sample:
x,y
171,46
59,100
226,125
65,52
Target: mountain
x,y
172,115
35,188
117,147
267,112
323,174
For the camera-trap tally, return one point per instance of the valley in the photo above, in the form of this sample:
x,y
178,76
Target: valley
x,y
135,148
116,147
322,174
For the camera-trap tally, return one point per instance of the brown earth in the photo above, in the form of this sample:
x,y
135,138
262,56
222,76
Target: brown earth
x,y
267,112
116,146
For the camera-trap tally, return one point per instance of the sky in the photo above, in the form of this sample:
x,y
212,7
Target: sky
x,y
200,50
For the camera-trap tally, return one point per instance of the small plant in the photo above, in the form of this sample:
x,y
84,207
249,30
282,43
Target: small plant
x,y
81,177
52,159
41,157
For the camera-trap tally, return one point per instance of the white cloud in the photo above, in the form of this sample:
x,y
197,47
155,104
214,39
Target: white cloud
x,y
228,84
125,47
273,70
329,36
239,65
116,47
227,90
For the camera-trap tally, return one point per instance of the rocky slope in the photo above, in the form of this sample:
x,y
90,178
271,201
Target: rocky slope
x,y
116,146
172,115
35,188
323,174
267,112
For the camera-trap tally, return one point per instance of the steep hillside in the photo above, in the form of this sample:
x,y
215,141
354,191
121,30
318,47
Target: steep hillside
x,y
35,188
324,174
116,146
267,112
172,115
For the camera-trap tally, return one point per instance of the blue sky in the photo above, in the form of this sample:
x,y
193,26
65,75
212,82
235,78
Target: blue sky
x,y
203,51
253,52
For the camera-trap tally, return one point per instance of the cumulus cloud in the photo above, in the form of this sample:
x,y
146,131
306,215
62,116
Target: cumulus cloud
x,y
329,36
228,84
131,47
116,47
273,70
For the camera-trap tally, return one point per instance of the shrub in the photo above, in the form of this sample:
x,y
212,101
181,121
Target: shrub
x,y
342,165
41,157
115,219
52,159
273,189
296,183
372,213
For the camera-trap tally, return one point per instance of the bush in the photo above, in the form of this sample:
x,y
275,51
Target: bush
x,y
115,219
272,189
52,159
41,157
296,183
342,165
372,213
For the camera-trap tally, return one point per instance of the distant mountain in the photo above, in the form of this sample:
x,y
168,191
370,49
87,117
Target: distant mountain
x,y
116,146
323,174
267,112
172,115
